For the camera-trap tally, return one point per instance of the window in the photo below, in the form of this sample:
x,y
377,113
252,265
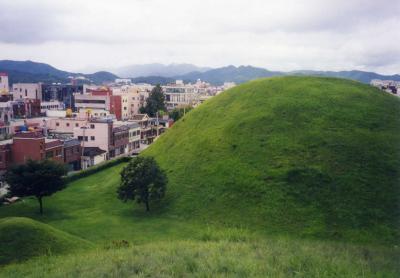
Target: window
x,y
92,138
92,126
57,124
77,125
49,154
58,152
67,124
80,138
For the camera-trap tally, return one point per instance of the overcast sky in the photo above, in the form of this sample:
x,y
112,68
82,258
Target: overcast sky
x,y
92,35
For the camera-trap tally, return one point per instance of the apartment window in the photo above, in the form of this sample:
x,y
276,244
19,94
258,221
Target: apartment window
x,y
77,125
92,138
26,93
49,154
58,152
67,124
80,138
57,124
92,126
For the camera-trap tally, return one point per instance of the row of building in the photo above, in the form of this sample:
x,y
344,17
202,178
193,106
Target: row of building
x,y
79,141
83,125
389,86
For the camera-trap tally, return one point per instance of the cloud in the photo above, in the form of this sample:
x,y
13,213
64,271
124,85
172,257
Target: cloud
x,y
281,35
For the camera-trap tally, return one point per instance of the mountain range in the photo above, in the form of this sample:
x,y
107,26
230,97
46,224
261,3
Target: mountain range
x,y
28,71
157,69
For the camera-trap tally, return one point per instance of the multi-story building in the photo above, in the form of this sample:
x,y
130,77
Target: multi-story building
x,y
27,90
4,86
120,141
63,93
132,99
179,95
133,145
100,100
34,145
95,133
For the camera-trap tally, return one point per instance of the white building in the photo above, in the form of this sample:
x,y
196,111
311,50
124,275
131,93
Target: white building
x,y
179,95
4,87
27,90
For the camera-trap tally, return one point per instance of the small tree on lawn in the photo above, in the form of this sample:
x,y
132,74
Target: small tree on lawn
x,y
142,180
36,178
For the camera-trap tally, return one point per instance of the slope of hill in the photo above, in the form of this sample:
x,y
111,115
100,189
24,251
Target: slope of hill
x,y
28,71
130,242
304,155
218,258
362,76
158,70
23,238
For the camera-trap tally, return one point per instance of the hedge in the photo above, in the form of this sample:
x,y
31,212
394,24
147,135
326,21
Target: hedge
x,y
94,169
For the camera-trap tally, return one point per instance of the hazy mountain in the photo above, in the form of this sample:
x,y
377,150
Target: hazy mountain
x,y
154,80
229,74
158,70
28,71
245,73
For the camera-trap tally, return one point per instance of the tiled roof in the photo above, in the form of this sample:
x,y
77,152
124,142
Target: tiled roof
x,y
92,151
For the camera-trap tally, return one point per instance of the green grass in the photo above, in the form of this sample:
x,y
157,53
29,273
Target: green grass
x,y
262,258
309,156
23,238
244,196
89,208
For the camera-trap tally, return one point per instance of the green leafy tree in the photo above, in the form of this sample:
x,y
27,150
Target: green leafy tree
x,y
142,180
178,113
155,102
36,178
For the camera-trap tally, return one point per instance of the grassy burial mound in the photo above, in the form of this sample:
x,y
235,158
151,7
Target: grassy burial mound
x,y
23,238
308,155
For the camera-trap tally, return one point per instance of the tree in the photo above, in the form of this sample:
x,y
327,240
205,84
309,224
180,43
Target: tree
x,y
155,102
178,113
36,178
142,180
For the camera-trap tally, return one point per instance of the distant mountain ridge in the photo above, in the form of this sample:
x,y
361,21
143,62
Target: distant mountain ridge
x,y
29,71
157,69
242,74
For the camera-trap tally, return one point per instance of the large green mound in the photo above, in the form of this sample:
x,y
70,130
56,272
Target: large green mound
x,y
307,155
23,238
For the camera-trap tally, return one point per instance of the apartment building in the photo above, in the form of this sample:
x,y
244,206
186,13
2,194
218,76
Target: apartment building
x,y
132,99
179,95
100,100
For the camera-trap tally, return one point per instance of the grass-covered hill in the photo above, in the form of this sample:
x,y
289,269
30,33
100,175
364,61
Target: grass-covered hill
x,y
128,242
23,238
304,155
250,172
